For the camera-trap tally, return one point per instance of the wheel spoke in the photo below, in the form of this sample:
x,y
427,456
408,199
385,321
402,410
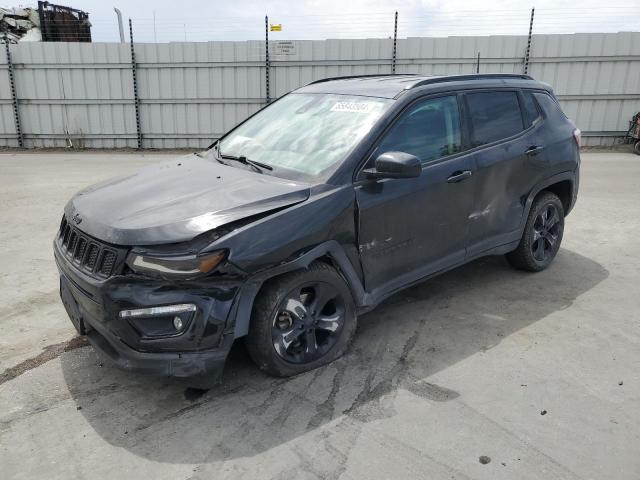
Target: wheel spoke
x,y
551,240
296,308
552,220
543,216
282,341
330,323
323,293
311,345
536,236
538,251
541,249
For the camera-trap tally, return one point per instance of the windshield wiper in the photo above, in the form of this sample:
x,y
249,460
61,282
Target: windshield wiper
x,y
200,154
258,166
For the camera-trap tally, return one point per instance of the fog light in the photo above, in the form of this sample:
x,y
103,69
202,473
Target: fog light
x,y
161,321
158,311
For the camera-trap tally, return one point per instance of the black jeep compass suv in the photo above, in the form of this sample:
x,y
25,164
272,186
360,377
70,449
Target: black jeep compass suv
x,y
312,211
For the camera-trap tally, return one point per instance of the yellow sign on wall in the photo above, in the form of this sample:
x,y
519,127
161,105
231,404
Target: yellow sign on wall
x,y
276,27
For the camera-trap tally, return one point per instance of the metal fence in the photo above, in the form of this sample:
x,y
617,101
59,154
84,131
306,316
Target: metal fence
x,y
84,95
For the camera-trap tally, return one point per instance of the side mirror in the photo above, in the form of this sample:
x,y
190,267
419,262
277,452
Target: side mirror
x,y
395,165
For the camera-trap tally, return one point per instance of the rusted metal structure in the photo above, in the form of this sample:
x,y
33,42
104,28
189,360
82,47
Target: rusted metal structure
x,y
63,24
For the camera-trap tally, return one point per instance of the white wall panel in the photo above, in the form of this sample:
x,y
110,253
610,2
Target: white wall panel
x,y
82,94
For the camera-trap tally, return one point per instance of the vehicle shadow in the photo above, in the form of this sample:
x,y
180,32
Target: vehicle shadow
x,y
407,339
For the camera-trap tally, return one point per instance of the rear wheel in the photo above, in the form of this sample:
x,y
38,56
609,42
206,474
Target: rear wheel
x,y
301,320
542,234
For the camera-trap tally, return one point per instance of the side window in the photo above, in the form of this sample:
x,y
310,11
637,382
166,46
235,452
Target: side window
x,y
531,113
494,116
429,130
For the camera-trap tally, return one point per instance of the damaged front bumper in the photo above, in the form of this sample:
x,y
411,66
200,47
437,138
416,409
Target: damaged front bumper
x,y
150,343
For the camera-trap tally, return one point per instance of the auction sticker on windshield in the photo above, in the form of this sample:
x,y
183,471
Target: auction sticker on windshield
x,y
357,107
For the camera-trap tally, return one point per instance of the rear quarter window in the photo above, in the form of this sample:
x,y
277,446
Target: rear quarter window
x,y
494,116
530,109
549,105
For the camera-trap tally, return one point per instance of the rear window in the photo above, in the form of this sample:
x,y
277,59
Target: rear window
x,y
494,116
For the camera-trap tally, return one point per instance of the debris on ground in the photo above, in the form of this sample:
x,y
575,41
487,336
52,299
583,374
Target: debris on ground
x,y
543,412
484,459
20,24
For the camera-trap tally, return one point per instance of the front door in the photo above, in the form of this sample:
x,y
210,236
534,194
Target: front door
x,y
409,228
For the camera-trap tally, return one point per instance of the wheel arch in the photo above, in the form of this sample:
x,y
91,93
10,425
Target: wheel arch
x,y
564,190
329,252
561,184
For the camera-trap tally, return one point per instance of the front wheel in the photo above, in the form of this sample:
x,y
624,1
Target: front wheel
x,y
542,234
301,320
636,147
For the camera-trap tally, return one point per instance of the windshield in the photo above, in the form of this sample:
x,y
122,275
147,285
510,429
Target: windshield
x,y
305,134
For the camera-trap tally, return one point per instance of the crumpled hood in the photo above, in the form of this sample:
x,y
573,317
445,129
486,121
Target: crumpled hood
x,y
175,201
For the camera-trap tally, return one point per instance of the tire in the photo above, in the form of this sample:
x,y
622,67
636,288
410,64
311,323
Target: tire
x,y
636,147
288,308
542,234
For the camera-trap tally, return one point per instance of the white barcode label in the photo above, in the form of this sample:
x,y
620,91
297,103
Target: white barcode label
x,y
357,107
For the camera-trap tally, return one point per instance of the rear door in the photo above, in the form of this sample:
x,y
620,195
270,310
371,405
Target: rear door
x,y
503,141
411,227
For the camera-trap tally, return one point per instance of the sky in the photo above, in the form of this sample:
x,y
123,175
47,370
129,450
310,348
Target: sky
x,y
202,20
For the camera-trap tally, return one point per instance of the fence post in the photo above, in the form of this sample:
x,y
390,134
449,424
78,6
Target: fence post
x,y
14,96
120,27
395,43
136,100
267,64
478,63
526,56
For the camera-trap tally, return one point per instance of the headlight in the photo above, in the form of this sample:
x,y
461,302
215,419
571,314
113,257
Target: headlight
x,y
183,266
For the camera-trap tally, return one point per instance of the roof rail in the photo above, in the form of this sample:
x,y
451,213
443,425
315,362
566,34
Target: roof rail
x,y
371,75
429,80
476,76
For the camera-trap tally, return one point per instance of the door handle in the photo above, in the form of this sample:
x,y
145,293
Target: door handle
x,y
533,150
459,176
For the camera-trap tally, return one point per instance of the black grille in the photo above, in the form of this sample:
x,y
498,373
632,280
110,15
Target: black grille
x,y
107,263
92,256
81,247
88,254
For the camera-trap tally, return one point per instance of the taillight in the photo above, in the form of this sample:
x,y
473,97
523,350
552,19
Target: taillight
x,y
577,136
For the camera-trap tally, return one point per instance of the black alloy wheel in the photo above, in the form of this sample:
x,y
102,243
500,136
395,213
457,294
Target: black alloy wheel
x,y
542,234
308,322
301,320
545,233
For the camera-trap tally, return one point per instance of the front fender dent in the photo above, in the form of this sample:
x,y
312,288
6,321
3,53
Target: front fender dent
x,y
241,313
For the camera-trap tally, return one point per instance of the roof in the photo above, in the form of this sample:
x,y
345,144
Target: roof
x,y
391,86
